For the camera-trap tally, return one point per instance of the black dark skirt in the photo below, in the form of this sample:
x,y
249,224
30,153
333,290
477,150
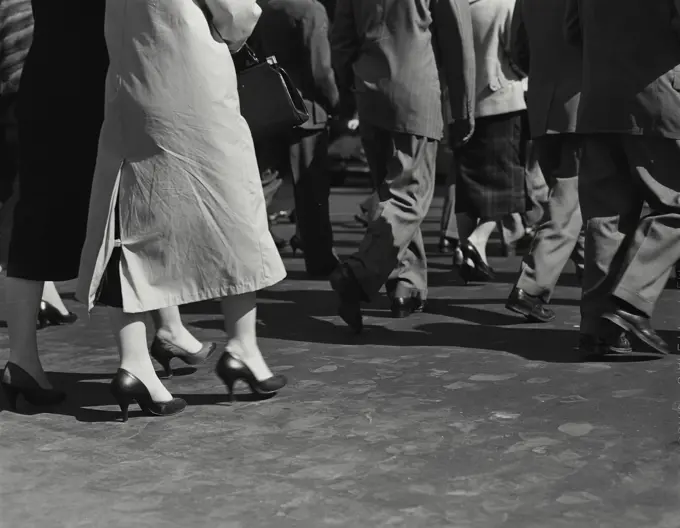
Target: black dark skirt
x,y
490,177
59,117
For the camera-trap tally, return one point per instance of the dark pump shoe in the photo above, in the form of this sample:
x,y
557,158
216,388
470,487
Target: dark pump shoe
x,y
405,306
164,352
48,315
127,388
530,306
231,369
15,381
640,326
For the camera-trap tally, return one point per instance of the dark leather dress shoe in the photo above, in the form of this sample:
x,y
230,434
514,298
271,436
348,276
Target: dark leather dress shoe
x,y
405,306
530,306
640,326
595,346
349,296
616,343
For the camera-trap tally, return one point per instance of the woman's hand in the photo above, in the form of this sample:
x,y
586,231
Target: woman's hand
x,y
234,20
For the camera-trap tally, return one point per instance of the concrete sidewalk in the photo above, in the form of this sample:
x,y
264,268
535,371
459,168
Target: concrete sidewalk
x,y
462,417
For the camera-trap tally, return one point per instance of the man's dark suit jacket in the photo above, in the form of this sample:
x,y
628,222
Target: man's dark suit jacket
x,y
387,51
539,48
631,66
296,32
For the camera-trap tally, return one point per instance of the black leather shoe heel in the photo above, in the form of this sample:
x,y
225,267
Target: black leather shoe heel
x,y
164,352
530,306
126,388
230,370
48,315
17,382
640,326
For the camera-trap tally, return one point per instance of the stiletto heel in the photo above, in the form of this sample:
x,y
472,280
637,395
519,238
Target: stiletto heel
x,y
230,370
11,395
230,390
165,351
167,369
296,245
16,381
48,315
123,402
127,388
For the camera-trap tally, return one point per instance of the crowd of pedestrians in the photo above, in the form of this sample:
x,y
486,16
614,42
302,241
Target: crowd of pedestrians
x,y
136,173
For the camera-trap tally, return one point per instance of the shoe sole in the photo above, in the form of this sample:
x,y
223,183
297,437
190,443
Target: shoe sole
x,y
528,314
616,350
625,325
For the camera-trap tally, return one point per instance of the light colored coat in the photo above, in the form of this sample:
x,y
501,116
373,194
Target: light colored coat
x,y
499,86
178,155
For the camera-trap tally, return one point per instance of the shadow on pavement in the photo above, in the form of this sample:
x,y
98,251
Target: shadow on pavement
x,y
300,316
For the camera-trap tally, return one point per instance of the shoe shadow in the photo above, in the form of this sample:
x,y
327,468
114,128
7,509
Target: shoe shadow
x,y
87,391
310,316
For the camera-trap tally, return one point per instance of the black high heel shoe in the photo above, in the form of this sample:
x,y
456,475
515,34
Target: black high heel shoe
x,y
16,381
480,271
230,369
296,245
164,352
127,388
48,315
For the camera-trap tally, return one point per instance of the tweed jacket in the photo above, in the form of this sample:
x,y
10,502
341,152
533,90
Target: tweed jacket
x,y
296,32
16,33
631,65
387,51
539,48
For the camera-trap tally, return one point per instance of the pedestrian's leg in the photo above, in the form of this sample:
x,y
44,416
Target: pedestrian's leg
x,y
610,204
448,224
536,186
312,191
556,238
655,246
405,197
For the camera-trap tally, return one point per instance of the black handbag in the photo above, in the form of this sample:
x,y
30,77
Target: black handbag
x,y
270,102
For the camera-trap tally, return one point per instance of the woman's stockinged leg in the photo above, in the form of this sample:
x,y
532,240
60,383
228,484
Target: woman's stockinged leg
x,y
169,326
480,237
22,304
240,322
130,333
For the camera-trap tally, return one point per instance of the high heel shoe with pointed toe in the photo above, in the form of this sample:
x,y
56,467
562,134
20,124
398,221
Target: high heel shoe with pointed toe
x,y
479,271
16,381
165,351
231,369
126,388
48,315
